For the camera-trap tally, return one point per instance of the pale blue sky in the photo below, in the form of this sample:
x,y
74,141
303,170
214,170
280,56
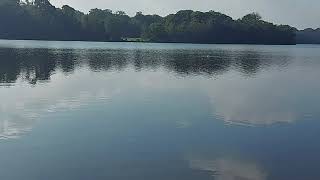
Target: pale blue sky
x,y
298,13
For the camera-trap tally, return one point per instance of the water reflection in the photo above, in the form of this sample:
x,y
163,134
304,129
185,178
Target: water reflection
x,y
14,128
230,169
220,73
34,65
135,112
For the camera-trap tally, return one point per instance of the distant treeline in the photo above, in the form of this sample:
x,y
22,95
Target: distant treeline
x,y
308,36
40,20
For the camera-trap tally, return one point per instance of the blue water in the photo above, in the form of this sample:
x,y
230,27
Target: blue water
x,y
85,110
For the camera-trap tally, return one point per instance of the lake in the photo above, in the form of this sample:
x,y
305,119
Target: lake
x,y
139,111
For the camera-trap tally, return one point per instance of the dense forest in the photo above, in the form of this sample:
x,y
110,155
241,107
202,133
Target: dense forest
x,y
39,19
308,36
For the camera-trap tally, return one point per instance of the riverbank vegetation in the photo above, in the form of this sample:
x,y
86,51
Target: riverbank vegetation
x,y
40,20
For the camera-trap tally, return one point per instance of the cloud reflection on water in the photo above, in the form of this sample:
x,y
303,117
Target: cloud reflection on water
x,y
246,85
230,169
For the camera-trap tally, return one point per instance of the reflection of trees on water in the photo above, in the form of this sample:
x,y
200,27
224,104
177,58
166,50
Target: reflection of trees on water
x,y
251,62
101,60
31,65
199,63
35,65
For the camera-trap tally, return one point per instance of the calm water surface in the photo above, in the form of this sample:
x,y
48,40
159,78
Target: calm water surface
x,y
129,111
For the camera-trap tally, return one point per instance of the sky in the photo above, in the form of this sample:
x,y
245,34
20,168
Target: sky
x,y
298,13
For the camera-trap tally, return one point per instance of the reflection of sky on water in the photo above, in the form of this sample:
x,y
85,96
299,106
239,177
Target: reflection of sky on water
x,y
136,112
230,169
22,105
269,95
273,97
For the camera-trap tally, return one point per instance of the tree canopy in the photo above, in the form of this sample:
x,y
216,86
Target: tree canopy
x,y
39,19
